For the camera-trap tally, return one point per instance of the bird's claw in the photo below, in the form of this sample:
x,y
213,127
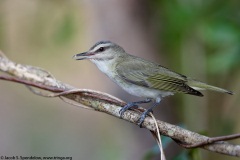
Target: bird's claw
x,y
143,116
126,107
140,121
132,105
122,110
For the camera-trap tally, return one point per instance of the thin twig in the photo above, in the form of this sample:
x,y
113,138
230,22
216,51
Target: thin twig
x,y
26,82
210,140
158,138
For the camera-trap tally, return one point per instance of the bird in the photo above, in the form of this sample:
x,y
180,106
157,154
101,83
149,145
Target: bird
x,y
140,77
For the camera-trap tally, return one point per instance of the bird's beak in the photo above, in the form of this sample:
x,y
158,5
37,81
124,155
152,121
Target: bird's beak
x,y
81,56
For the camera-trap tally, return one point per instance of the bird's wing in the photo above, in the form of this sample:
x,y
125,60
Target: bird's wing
x,y
153,76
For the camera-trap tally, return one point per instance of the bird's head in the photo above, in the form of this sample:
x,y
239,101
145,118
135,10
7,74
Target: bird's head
x,y
101,51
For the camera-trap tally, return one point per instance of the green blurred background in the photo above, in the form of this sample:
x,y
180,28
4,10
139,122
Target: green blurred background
x,y
199,38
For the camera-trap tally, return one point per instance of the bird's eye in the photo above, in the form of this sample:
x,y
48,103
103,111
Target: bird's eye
x,y
101,49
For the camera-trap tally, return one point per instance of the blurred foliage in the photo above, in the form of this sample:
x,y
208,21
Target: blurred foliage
x,y
155,151
215,23
201,38
189,155
65,30
186,154
198,38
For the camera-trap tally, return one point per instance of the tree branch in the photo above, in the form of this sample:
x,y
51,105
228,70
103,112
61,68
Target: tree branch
x,y
39,78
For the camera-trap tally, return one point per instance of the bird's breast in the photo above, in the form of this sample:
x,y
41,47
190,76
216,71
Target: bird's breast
x,y
108,67
141,91
105,66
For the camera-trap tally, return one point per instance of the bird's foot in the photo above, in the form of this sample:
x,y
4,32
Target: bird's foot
x,y
132,105
143,116
126,107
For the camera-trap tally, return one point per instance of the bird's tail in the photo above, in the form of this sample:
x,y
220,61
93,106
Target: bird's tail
x,y
203,86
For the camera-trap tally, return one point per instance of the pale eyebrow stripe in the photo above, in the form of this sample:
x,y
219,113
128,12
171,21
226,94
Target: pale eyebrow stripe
x,y
99,46
101,42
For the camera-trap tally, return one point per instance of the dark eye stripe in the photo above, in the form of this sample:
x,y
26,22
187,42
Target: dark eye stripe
x,y
101,49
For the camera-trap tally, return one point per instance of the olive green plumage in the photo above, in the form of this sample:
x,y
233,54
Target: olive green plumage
x,y
151,75
137,75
